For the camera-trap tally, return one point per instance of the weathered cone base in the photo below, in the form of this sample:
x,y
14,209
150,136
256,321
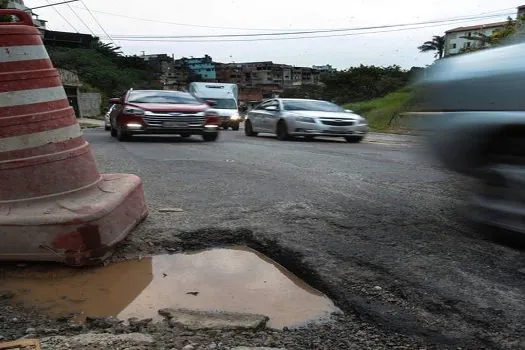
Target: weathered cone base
x,y
76,228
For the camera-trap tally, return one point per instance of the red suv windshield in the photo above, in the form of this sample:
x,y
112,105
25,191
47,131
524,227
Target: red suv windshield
x,y
168,97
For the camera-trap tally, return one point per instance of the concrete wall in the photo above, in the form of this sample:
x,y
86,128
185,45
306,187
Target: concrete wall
x,y
89,104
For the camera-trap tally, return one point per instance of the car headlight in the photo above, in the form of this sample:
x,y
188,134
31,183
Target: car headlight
x,y
235,117
305,119
133,111
363,121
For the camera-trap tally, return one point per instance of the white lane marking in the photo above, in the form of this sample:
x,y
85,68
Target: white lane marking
x,y
23,53
27,97
38,139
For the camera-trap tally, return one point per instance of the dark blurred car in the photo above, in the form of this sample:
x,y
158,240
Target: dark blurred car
x,y
474,107
140,112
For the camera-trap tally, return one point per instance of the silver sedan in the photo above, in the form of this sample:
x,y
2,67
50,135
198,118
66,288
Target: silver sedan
x,y
288,118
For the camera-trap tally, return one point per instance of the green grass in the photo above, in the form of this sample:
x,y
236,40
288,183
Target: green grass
x,y
382,113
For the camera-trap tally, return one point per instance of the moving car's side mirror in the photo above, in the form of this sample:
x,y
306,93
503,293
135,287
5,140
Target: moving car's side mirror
x,y
211,103
115,101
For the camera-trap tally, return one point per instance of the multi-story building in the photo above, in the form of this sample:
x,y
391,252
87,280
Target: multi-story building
x,y
459,39
203,67
463,38
230,73
521,11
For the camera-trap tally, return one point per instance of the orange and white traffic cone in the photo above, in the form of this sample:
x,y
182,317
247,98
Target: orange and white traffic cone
x,y
54,204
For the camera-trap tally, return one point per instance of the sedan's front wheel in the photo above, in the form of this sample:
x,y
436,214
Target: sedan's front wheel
x,y
248,129
282,131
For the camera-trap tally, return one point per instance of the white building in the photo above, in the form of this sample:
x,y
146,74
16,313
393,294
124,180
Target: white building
x,y
457,39
19,5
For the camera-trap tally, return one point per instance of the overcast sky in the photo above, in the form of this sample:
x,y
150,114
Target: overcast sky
x,y
386,48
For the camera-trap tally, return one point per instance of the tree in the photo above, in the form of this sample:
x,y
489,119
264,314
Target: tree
x,y
436,44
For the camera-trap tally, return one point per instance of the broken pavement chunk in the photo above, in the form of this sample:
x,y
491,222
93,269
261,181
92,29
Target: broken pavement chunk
x,y
194,319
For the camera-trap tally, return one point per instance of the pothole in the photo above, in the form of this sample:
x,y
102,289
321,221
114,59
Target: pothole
x,y
236,279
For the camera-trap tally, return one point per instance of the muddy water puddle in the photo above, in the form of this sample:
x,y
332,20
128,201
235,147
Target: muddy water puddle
x,y
235,280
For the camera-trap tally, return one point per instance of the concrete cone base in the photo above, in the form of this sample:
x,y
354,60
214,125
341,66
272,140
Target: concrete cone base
x,y
77,228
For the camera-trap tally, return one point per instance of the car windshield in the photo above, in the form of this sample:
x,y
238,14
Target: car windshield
x,y
307,105
224,103
169,97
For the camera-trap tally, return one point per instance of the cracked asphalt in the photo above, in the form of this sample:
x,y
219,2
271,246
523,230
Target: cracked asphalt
x,y
377,226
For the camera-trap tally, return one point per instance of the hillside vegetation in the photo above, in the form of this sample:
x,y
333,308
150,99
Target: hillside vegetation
x,y
103,69
383,113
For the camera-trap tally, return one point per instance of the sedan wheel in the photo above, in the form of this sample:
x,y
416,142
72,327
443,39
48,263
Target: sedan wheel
x,y
248,129
282,131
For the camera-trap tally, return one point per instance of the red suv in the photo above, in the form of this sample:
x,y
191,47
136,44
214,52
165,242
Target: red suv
x,y
162,112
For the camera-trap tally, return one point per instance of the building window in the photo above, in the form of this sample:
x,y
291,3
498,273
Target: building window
x,y
468,44
469,34
454,46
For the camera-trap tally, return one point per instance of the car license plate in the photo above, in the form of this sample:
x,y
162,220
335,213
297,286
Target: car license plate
x,y
338,129
174,124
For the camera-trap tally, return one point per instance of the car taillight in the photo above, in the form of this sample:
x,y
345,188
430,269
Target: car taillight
x,y
212,118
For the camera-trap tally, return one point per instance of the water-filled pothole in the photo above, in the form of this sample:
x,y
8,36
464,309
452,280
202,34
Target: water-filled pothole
x,y
235,279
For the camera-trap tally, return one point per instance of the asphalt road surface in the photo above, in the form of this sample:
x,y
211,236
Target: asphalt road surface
x,y
376,226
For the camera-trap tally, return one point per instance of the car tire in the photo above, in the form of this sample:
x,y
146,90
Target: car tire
x,y
235,127
113,132
225,127
282,131
309,138
107,127
185,136
353,139
122,135
248,129
210,137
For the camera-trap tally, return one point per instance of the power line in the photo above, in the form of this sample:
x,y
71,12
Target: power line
x,y
64,18
181,24
100,25
299,32
288,38
50,4
238,28
81,20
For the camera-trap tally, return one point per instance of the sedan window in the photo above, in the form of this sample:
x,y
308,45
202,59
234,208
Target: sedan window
x,y
310,105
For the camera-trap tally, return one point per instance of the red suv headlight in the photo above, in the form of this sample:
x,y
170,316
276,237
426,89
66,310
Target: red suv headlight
x,y
132,111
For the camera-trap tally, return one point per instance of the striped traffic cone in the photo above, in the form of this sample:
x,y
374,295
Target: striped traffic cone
x,y
54,204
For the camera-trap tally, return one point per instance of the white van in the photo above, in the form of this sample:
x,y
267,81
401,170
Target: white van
x,y
225,101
